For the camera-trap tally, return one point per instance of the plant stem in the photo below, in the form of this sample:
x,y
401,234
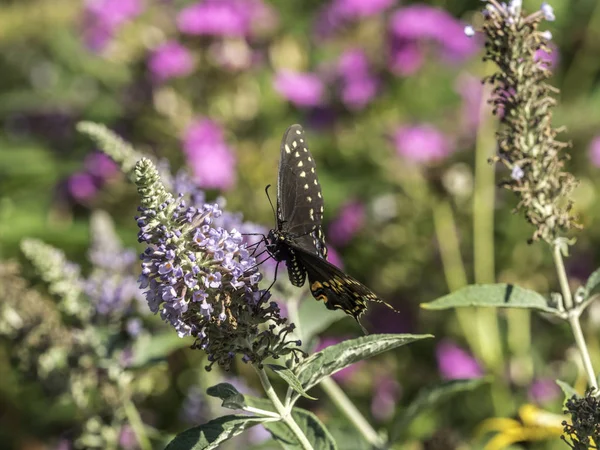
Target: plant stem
x,y
137,424
573,315
283,412
346,406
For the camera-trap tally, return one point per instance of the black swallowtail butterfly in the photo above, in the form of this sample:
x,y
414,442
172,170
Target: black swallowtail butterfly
x,y
298,238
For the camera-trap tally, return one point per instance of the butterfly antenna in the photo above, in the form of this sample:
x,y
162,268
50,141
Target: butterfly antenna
x,y
269,197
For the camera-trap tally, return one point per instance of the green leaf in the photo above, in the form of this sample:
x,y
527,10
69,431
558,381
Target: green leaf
x,y
567,389
592,283
313,321
316,433
492,295
213,433
149,349
430,397
335,357
290,378
231,397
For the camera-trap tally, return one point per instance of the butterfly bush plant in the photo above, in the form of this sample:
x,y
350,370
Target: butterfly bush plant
x,y
200,274
529,147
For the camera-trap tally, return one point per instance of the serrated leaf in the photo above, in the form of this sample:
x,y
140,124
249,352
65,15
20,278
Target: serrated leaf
x,y
213,433
149,349
231,397
430,397
335,357
290,378
316,433
592,283
567,389
499,295
313,321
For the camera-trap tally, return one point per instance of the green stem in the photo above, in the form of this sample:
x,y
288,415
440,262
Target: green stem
x,y
341,400
134,419
573,316
282,410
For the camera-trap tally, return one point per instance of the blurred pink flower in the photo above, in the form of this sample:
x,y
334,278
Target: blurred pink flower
x,y
455,363
81,186
127,438
334,257
358,85
171,60
471,90
349,221
338,12
215,18
385,397
420,22
302,89
345,374
102,18
594,151
100,165
212,161
550,60
543,390
422,143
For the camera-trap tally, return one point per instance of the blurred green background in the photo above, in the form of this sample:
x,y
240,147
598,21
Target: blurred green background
x,y
395,115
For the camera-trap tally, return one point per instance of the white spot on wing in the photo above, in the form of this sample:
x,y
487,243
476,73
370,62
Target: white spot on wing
x,y
287,149
294,144
300,164
298,132
296,154
302,174
306,186
309,198
309,158
316,182
319,194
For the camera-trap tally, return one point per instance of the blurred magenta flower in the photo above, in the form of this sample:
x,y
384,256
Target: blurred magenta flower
x,y
349,221
100,165
543,390
212,161
422,143
302,89
102,19
127,438
358,85
334,257
550,60
339,12
455,363
345,374
215,18
594,151
471,90
423,23
170,60
81,186
385,397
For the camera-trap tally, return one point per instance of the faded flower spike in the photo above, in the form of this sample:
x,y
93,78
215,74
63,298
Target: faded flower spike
x,y
203,279
584,430
523,102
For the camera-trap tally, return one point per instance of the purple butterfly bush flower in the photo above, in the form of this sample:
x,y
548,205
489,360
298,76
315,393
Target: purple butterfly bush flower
x,y
544,390
170,60
594,151
349,221
422,143
212,161
82,187
301,89
358,85
100,166
385,397
202,278
456,363
420,23
103,18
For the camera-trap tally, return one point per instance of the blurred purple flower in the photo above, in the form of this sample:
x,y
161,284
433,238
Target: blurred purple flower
x,y
455,363
594,151
100,165
422,143
302,89
215,18
419,22
339,12
258,434
194,407
543,390
349,221
212,161
358,85
81,186
171,60
334,257
127,438
346,373
385,397
550,60
102,18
